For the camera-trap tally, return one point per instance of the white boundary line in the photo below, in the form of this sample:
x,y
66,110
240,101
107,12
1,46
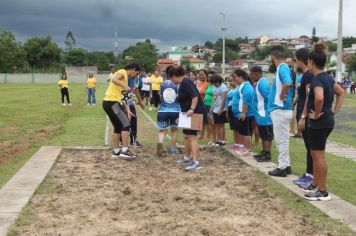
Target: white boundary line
x,y
152,121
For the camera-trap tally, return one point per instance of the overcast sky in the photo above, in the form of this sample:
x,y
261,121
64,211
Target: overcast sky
x,y
170,23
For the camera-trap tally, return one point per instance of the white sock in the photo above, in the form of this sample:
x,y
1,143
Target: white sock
x,y
186,158
196,162
116,150
124,149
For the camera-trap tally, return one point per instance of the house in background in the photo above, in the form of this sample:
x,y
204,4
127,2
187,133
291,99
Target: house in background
x,y
162,64
177,54
195,63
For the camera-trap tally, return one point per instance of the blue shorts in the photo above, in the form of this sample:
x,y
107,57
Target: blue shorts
x,y
167,119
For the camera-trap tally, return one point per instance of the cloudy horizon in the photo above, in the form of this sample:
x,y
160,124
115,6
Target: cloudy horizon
x,y
183,23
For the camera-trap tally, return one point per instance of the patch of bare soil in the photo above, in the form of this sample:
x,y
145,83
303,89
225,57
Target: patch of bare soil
x,y
95,195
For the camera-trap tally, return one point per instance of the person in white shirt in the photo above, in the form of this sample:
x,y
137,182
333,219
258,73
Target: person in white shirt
x,y
146,88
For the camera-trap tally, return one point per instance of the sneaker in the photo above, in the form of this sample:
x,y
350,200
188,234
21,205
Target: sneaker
x,y
278,172
63,104
159,149
94,104
127,155
265,158
291,134
219,143
173,150
305,182
243,152
289,170
88,104
236,148
184,160
262,153
193,166
318,195
69,104
310,188
115,154
136,144
150,108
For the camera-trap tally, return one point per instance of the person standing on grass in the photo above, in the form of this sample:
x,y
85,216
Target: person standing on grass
x,y
208,101
63,84
219,109
243,111
262,115
280,106
156,80
91,85
189,102
320,119
290,63
168,115
302,56
202,85
233,121
116,107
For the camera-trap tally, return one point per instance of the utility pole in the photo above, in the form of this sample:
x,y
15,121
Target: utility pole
x,y
339,44
223,29
116,43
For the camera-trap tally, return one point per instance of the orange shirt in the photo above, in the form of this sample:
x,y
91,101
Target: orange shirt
x,y
202,87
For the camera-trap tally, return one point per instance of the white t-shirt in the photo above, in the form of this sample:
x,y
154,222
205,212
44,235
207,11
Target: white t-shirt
x,y
146,83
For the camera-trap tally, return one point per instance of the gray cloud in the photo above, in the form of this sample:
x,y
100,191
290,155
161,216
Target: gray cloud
x,y
170,23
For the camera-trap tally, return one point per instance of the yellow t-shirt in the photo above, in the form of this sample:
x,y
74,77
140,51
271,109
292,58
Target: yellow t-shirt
x,y
156,82
91,82
113,93
63,83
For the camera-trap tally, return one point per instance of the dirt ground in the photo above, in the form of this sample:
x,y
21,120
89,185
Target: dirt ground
x,y
95,195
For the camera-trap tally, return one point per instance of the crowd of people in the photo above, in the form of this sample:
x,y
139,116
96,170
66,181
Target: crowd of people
x,y
248,102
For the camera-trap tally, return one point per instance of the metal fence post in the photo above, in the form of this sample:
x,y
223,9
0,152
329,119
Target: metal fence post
x,y
5,79
33,77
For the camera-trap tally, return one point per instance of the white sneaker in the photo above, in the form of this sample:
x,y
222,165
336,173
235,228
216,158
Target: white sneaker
x,y
63,104
88,104
69,104
243,152
93,104
150,109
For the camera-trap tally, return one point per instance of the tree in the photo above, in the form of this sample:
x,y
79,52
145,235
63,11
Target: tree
x,y
70,41
144,53
209,44
185,63
314,31
332,47
42,52
351,63
12,55
229,56
103,63
76,57
348,41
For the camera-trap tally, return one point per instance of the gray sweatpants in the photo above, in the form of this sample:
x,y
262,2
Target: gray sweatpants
x,y
281,123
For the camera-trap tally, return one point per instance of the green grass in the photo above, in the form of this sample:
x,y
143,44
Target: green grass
x,y
32,116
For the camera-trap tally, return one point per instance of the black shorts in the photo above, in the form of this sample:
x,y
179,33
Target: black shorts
x,y
220,119
318,137
190,132
117,115
245,127
233,121
266,132
145,94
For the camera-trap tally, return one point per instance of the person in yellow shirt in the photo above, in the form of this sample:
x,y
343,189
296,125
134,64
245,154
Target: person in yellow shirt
x,y
116,106
156,80
91,85
63,84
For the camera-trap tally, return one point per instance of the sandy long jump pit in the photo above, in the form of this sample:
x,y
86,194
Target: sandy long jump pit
x,y
90,194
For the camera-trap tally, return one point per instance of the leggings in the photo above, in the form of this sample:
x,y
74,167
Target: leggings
x,y
133,124
65,92
155,98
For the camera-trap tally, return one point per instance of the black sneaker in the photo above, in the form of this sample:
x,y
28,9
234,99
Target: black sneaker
x,y
159,150
262,153
318,195
219,143
289,170
127,155
310,188
278,172
265,158
136,144
115,154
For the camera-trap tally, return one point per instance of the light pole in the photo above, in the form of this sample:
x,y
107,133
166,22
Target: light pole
x,y
223,29
339,44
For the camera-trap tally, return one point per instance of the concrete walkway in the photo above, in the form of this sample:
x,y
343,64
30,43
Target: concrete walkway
x,y
336,208
19,190
341,150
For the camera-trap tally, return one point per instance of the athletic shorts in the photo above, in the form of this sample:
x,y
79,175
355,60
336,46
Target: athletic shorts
x,y
117,115
190,132
266,132
220,119
245,127
167,119
145,94
318,138
210,114
233,121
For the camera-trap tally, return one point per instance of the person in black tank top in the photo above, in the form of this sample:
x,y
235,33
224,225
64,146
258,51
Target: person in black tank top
x,y
320,121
